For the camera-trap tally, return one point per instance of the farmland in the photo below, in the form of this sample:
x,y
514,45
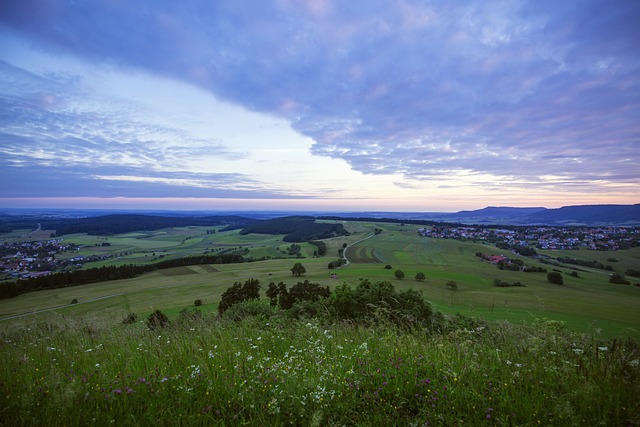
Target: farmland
x,y
588,303
557,359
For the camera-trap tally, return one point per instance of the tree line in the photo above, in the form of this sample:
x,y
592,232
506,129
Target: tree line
x,y
106,273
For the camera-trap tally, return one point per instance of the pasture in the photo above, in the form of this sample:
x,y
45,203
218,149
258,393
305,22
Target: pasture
x,y
587,304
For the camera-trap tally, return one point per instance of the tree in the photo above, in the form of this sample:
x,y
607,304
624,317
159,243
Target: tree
x,y
420,277
238,293
272,293
451,284
555,278
619,279
298,269
399,274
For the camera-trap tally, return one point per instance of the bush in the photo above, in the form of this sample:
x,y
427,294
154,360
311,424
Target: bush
x,y
374,302
618,279
74,301
399,274
555,278
157,320
420,277
197,302
249,309
451,284
388,267
130,318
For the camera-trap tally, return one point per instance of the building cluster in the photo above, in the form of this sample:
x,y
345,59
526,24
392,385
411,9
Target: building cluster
x,y
37,258
594,238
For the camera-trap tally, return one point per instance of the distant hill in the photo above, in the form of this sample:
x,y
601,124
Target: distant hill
x,y
117,223
589,215
569,215
497,212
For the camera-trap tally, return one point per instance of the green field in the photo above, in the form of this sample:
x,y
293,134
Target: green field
x,y
586,304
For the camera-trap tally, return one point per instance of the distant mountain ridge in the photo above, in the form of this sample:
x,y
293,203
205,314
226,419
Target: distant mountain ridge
x,y
568,215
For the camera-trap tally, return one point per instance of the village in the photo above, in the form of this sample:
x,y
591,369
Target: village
x,y
37,258
540,237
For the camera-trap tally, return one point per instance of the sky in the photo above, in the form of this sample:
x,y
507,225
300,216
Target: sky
x,y
331,105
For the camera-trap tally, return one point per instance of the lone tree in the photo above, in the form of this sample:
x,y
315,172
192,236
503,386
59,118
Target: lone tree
x,y
451,284
420,277
298,269
555,278
399,274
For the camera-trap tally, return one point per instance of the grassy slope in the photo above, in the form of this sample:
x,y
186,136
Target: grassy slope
x,y
587,304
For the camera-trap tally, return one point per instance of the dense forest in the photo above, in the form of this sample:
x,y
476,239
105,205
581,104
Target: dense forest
x,y
296,228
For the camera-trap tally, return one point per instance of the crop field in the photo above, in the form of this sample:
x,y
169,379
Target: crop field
x,y
587,303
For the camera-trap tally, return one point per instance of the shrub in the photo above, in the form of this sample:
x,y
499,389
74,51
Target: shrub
x,y
451,284
249,309
74,301
197,302
399,274
157,320
373,302
388,267
618,279
555,278
130,318
420,277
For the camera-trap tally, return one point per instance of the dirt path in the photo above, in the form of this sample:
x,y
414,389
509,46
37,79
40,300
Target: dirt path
x,y
344,252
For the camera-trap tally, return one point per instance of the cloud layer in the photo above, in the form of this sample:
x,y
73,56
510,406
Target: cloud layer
x,y
520,94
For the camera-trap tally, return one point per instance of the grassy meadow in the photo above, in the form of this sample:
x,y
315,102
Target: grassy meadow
x,y
541,354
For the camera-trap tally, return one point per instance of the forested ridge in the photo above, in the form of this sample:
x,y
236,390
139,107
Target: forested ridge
x,y
296,228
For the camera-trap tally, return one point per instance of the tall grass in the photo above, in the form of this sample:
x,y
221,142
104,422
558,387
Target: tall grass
x,y
274,370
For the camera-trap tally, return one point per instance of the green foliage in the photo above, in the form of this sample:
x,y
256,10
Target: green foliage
x,y
249,309
502,284
388,267
74,301
130,318
632,272
197,302
267,369
301,291
335,263
239,292
322,246
420,277
555,278
451,284
371,302
157,320
399,274
296,228
298,269
619,279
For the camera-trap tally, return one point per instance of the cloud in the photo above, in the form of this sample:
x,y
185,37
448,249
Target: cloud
x,y
516,90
